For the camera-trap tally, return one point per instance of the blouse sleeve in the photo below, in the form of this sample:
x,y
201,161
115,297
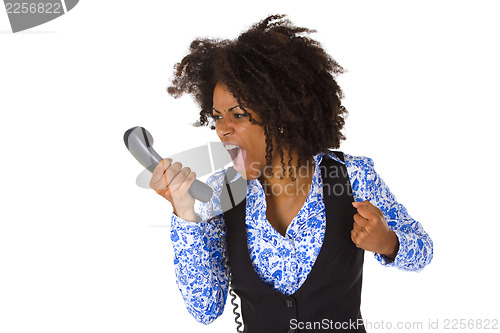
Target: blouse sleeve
x,y
198,262
415,245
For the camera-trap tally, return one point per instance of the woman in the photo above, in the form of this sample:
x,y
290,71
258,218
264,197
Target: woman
x,y
277,108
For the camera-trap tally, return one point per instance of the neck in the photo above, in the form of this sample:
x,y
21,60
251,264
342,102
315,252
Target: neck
x,y
285,188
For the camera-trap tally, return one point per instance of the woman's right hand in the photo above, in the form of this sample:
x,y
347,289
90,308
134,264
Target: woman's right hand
x,y
172,182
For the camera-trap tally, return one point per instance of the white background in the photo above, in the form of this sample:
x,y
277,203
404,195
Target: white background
x,y
83,249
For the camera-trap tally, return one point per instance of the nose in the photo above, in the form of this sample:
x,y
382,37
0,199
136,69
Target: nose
x,y
223,128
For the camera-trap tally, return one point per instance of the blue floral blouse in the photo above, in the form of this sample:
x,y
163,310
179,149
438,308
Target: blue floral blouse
x,y
282,262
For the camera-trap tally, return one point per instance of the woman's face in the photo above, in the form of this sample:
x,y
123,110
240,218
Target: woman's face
x,y
245,141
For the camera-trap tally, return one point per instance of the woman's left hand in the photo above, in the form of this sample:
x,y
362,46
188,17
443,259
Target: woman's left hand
x,y
371,231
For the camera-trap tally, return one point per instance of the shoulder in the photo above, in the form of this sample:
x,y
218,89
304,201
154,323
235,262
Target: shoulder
x,y
361,174
216,180
353,162
212,207
359,166
358,161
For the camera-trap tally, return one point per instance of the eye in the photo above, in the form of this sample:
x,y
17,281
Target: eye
x,y
235,115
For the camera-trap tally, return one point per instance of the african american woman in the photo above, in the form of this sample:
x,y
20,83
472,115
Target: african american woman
x,y
292,249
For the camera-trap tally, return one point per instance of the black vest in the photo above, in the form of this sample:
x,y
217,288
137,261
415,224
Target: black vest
x,y
330,297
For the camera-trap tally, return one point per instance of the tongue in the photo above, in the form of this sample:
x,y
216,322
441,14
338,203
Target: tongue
x,y
233,153
238,156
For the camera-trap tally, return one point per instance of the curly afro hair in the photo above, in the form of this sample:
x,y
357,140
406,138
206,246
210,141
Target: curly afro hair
x,y
276,70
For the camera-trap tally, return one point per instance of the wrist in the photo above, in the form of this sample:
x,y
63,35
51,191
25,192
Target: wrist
x,y
392,246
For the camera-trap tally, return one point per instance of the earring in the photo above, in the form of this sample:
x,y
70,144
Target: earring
x,y
281,130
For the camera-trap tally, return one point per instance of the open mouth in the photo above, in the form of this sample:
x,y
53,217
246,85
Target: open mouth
x,y
233,150
238,154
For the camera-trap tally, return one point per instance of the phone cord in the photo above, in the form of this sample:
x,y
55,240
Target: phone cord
x,y
229,276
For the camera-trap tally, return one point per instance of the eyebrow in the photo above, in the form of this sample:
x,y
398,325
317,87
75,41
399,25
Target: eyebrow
x,y
228,110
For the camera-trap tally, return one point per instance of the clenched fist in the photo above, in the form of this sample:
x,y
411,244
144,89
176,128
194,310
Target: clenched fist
x,y
172,182
371,232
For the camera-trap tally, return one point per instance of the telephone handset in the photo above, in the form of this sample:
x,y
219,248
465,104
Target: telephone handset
x,y
140,144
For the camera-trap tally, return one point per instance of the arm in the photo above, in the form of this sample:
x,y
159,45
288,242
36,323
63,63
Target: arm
x,y
198,263
415,246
